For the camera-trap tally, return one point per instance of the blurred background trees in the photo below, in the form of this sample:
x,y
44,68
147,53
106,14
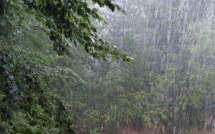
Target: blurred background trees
x,y
169,84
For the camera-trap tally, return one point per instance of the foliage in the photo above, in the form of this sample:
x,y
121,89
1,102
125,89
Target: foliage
x,y
31,78
169,84
25,96
69,22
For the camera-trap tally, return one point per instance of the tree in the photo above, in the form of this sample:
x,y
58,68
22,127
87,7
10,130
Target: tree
x,y
68,22
28,105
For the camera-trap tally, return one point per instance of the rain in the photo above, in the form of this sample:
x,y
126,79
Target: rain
x,y
113,67
168,87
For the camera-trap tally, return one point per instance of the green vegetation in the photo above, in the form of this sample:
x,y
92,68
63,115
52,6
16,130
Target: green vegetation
x,y
59,74
32,76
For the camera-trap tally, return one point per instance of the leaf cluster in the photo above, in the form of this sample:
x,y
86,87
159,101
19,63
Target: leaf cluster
x,y
70,22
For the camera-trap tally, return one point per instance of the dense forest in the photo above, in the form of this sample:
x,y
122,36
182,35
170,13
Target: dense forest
x,y
107,66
